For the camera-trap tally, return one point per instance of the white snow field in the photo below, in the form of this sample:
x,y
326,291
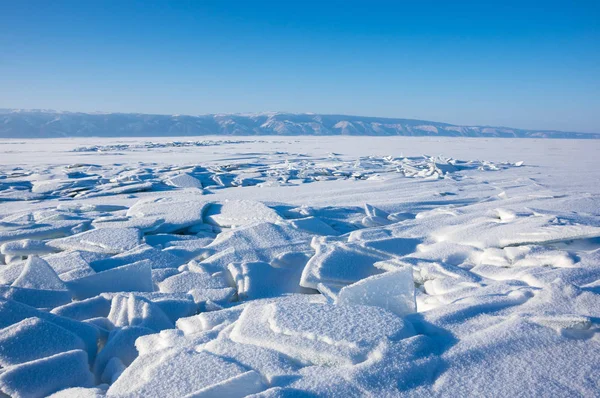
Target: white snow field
x,y
300,267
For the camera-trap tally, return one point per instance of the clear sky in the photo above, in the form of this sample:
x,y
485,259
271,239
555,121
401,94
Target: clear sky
x,y
511,63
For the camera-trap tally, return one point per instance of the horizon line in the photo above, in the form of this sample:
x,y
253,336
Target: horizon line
x,y
273,113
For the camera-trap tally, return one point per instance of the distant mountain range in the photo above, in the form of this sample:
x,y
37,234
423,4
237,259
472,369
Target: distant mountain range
x,y
52,124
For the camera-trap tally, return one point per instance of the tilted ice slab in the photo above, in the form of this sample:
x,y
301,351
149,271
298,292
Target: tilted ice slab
x,y
12,312
143,224
118,352
159,259
132,310
38,298
26,247
138,313
37,285
184,181
183,372
45,376
337,264
177,211
37,274
502,232
206,321
190,280
256,280
236,213
256,242
81,392
35,338
135,277
105,240
73,264
47,229
393,291
315,333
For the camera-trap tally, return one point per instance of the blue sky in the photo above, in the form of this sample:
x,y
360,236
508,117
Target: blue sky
x,y
519,64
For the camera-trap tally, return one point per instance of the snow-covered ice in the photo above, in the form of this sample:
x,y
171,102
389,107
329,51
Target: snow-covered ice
x,y
302,266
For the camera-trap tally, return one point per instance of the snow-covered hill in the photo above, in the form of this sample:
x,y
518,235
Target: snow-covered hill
x,y
48,124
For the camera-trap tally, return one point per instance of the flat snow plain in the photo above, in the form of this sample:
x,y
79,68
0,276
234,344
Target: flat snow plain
x,y
299,267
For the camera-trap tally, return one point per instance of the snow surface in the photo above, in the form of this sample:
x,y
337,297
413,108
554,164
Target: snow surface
x,y
300,267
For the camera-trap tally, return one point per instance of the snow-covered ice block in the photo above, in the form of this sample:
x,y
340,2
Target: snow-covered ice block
x,y
158,258
73,264
145,225
291,260
38,298
173,339
338,264
81,392
188,280
119,188
184,180
160,274
178,211
256,242
8,259
318,333
46,230
526,256
447,252
393,246
548,363
54,186
121,345
35,338
269,363
174,373
491,231
37,285
236,213
174,305
135,277
375,217
113,369
209,320
260,280
321,381
313,225
205,297
131,310
26,247
94,307
12,312
161,241
393,291
37,274
105,240
190,249
89,207
236,387
43,377
10,272
372,211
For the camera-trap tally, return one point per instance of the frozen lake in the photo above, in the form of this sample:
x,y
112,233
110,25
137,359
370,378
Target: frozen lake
x,y
281,266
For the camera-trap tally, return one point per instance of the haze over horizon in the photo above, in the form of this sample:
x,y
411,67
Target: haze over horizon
x,y
515,64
